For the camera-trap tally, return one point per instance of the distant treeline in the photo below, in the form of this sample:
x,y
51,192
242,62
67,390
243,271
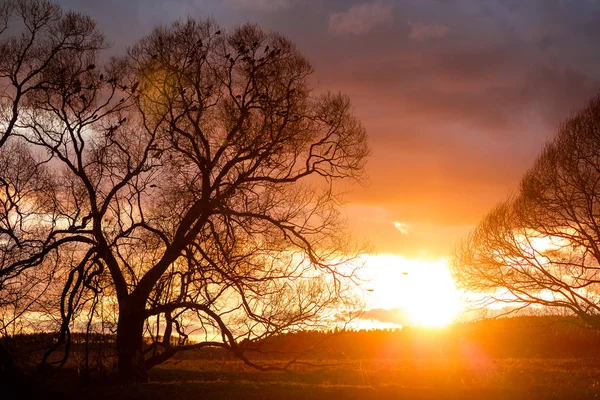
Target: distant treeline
x,y
519,337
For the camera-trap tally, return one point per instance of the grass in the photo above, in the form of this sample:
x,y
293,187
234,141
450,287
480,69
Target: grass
x,y
383,379
516,358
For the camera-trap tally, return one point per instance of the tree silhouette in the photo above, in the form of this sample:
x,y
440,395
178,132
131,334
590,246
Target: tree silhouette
x,y
192,184
34,37
540,247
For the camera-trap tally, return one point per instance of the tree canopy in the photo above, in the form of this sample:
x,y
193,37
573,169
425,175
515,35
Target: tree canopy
x,y
540,248
185,189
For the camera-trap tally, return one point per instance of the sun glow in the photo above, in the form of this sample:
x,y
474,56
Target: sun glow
x,y
418,292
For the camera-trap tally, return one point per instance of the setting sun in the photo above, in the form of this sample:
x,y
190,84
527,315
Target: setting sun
x,y
416,292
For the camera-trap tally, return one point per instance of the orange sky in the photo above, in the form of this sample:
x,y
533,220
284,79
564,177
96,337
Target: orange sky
x,y
458,96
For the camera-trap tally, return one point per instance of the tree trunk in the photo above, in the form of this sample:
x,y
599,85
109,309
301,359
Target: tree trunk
x,y
12,380
8,367
130,330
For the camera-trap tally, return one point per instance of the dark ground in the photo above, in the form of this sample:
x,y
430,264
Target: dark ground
x,y
383,379
526,358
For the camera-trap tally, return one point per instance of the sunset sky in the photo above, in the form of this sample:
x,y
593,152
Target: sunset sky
x,y
457,96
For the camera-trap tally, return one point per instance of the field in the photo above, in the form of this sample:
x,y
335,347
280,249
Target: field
x,y
382,379
517,358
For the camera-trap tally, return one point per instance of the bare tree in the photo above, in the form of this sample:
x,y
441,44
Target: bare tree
x,y
194,184
540,248
34,36
20,175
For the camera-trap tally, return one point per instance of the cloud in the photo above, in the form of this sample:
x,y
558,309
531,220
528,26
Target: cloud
x,y
402,227
260,5
394,315
360,19
421,32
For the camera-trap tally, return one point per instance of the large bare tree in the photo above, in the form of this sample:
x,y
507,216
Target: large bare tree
x,y
541,248
192,184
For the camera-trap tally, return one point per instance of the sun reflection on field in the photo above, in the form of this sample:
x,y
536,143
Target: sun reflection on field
x,y
422,292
